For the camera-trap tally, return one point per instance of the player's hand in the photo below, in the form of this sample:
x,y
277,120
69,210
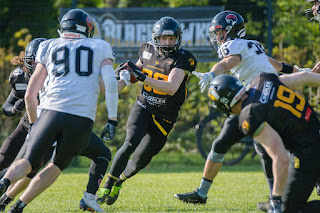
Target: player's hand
x,y
275,204
117,70
135,71
125,76
18,106
205,79
110,130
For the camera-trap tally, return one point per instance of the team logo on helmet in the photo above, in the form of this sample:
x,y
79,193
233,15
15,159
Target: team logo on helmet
x,y
231,19
90,24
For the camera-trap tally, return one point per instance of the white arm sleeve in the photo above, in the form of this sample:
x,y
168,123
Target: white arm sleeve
x,y
111,89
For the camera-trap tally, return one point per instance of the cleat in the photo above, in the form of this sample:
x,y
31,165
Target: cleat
x,y
15,209
4,201
113,195
102,195
191,197
89,203
263,206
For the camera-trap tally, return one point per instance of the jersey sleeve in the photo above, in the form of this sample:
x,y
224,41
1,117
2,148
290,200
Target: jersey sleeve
x,y
19,82
186,62
144,53
242,47
104,50
41,56
250,121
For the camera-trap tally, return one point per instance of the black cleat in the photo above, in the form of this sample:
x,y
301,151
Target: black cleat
x,y
15,208
191,197
4,201
263,206
114,194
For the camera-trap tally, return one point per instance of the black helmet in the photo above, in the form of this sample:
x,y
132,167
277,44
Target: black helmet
x,y
227,20
166,26
225,91
76,21
309,12
30,53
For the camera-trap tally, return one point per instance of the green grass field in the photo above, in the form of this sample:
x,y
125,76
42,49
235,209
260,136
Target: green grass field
x,y
236,189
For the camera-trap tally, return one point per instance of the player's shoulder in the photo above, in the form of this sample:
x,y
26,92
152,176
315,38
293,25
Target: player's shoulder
x,y
18,77
17,71
149,47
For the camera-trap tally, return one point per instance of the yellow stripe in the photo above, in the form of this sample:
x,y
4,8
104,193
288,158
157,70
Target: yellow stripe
x,y
123,177
111,176
159,126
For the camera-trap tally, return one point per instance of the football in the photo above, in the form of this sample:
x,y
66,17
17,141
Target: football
x,y
133,79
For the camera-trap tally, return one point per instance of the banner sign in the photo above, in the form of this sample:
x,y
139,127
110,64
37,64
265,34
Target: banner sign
x,y
126,29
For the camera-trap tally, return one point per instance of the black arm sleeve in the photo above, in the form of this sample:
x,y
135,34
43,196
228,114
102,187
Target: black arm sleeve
x,y
9,104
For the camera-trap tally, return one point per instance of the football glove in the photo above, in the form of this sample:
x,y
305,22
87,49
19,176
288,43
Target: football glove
x,y
18,106
110,130
135,71
206,78
302,69
125,75
275,204
118,69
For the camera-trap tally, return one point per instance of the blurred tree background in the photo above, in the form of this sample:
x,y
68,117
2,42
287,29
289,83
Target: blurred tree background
x,y
293,42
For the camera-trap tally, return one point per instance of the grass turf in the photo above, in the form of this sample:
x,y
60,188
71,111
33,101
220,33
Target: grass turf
x,y
236,188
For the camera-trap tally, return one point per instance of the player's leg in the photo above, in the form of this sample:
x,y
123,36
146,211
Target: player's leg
x,y
11,146
266,164
228,136
101,156
150,146
137,128
74,133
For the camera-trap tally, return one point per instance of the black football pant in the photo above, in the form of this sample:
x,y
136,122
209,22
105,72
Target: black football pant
x,y
146,136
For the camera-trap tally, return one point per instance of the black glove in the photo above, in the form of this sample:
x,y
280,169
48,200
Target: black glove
x,y
109,128
275,204
18,106
135,71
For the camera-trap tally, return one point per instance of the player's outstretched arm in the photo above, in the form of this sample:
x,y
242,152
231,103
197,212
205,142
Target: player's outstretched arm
x,y
299,79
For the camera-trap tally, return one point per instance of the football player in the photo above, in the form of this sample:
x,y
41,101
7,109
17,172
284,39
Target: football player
x,y
64,118
164,69
282,121
245,59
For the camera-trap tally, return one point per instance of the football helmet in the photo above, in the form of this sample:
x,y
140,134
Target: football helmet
x,y
30,53
166,26
230,21
76,23
225,91
313,15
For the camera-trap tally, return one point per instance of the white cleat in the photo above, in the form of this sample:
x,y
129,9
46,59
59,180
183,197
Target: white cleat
x,y
90,200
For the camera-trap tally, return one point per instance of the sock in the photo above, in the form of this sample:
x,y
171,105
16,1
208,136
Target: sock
x,y
94,182
120,180
204,187
6,182
270,184
20,204
110,181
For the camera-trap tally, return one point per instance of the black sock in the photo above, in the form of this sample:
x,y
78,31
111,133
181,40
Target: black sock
x,y
6,182
110,181
19,204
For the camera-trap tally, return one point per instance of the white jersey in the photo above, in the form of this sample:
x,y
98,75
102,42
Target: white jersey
x,y
73,67
253,59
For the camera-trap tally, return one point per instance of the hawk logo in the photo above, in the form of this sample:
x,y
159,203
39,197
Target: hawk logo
x,y
90,24
231,19
191,61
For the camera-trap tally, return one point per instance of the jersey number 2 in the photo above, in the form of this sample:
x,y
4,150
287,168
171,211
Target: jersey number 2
x,y
83,53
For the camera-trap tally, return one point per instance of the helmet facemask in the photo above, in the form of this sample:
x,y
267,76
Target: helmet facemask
x,y
166,50
29,62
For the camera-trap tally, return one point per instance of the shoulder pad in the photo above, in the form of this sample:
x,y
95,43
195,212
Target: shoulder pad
x,y
18,79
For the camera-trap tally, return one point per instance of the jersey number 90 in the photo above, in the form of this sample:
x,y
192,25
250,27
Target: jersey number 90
x,y
81,53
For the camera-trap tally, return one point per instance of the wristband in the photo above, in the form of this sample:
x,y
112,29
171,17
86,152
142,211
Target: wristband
x,y
212,74
286,68
277,198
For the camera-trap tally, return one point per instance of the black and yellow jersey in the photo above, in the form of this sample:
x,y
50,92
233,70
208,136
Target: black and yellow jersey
x,y
159,67
284,110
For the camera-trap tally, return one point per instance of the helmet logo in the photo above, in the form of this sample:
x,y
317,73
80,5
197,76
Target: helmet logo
x,y
167,32
89,23
231,19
